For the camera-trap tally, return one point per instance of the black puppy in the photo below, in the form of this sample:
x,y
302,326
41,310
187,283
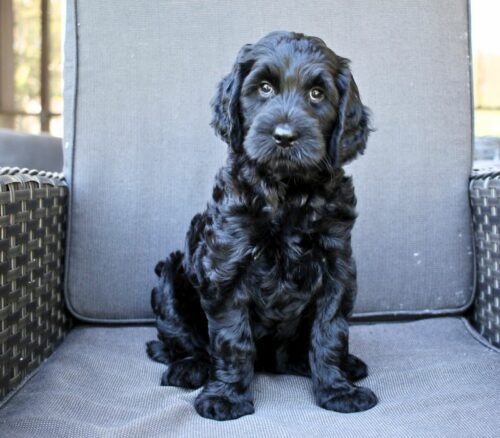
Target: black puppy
x,y
267,280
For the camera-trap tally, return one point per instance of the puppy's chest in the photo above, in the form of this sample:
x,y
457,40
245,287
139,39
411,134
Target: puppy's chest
x,y
286,269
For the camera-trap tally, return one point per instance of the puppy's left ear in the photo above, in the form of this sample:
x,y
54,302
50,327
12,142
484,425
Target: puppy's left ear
x,y
352,128
227,116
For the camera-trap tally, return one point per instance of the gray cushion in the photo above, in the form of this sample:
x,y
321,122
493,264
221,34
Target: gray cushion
x,y
142,157
41,152
433,378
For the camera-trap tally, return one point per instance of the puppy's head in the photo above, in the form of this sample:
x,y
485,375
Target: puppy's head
x,y
290,103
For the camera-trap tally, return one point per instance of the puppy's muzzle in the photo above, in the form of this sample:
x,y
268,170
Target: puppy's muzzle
x,y
285,135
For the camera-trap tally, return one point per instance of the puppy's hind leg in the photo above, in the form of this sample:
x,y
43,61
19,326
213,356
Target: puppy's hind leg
x,y
190,372
181,323
354,368
156,351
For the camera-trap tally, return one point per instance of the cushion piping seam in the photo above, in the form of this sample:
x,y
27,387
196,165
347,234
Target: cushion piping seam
x,y
475,335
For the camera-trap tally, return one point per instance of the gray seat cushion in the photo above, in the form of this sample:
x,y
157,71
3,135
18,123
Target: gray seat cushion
x,y
433,378
141,159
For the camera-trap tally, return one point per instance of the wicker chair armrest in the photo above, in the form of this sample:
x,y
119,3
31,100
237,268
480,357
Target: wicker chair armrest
x,y
33,319
484,191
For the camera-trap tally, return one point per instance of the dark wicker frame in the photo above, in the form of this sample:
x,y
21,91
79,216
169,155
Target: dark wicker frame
x,y
33,319
485,202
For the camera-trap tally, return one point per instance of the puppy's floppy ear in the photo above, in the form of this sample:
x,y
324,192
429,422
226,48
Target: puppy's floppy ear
x,y
352,128
226,118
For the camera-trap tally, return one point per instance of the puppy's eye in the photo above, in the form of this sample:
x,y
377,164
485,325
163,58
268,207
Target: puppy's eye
x,y
266,89
316,95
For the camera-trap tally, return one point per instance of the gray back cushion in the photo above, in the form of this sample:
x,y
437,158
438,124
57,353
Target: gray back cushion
x,y
141,157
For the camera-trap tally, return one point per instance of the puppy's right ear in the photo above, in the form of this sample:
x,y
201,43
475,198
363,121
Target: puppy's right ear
x,y
227,118
159,268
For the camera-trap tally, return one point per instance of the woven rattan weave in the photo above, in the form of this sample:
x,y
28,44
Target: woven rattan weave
x,y
32,314
485,201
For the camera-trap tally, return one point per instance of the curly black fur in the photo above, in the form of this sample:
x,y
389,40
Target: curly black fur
x,y
267,281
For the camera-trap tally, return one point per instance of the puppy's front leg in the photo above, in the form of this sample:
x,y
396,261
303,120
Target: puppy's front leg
x,y
329,350
226,396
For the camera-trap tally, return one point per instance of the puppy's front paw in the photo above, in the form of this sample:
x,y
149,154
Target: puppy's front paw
x,y
356,399
186,373
221,408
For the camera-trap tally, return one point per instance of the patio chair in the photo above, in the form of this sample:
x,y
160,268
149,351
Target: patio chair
x,y
77,249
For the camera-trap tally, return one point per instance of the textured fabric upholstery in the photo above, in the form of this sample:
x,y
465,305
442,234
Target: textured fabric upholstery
x,y
433,379
41,152
141,155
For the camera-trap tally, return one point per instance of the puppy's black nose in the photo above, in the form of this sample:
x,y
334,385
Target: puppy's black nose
x,y
284,135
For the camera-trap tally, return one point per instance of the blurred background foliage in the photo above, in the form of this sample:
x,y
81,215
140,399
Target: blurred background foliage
x,y
21,24
486,65
485,38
